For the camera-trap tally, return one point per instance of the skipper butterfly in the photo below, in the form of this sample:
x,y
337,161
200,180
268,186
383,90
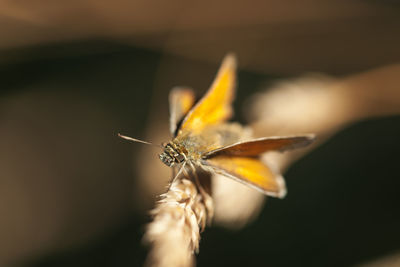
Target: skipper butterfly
x,y
203,138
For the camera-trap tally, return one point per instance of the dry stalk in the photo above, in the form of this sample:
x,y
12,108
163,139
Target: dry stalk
x,y
178,218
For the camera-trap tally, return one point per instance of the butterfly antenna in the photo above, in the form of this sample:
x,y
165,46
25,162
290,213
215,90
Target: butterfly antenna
x,y
136,140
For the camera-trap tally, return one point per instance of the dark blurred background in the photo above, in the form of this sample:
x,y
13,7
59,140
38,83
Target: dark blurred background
x,y
75,73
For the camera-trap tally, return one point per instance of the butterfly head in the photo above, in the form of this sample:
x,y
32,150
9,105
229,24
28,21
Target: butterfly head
x,y
172,155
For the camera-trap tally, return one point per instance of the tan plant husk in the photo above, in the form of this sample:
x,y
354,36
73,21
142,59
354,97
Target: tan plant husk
x,y
178,218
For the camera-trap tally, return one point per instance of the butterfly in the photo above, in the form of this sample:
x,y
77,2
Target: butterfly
x,y
203,137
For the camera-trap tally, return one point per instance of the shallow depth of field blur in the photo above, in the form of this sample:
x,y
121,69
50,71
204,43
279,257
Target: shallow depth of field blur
x,y
75,73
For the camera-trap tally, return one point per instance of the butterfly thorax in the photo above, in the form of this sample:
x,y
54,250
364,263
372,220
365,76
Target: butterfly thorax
x,y
191,146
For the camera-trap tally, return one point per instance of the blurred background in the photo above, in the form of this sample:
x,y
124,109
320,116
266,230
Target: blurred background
x,y
75,73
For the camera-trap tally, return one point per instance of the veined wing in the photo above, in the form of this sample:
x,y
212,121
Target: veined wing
x,y
249,171
256,147
215,106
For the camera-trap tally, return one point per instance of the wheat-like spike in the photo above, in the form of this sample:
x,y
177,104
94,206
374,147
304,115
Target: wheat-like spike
x,y
178,218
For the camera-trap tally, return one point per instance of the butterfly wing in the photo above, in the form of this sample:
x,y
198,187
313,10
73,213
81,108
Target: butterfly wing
x,y
240,162
249,171
181,100
258,146
215,106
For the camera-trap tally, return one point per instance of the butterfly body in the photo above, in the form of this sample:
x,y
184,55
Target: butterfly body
x,y
193,146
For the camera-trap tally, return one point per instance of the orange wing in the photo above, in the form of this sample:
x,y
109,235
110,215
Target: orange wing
x,y
215,106
180,102
258,146
249,171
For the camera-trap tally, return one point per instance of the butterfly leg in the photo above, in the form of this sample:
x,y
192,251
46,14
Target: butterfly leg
x,y
182,169
173,172
207,199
